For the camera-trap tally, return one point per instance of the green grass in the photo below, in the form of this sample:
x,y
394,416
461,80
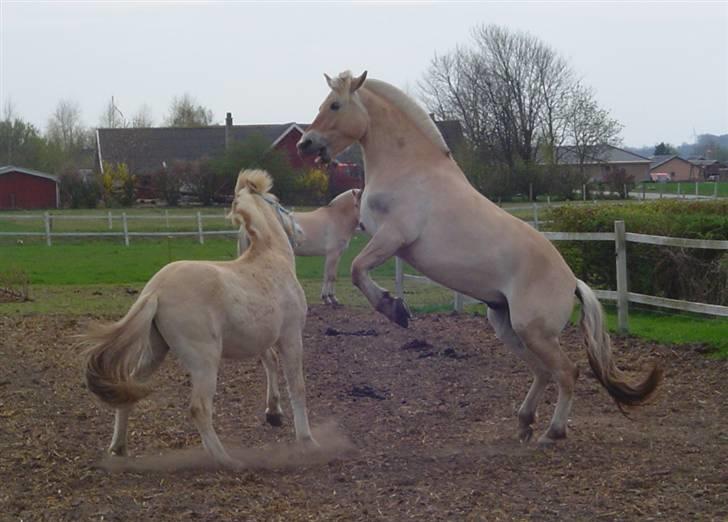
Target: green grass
x,y
100,277
704,188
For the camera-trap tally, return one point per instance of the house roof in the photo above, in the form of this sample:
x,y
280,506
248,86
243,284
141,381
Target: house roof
x,y
661,159
144,149
7,169
603,154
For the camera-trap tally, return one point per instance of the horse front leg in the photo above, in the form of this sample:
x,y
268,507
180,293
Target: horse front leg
x,y
384,244
331,266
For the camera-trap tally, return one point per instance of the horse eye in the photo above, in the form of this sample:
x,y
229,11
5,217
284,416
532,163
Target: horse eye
x,y
335,106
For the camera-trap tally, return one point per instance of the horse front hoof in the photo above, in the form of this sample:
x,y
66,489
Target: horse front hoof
x,y
525,434
274,419
551,437
118,452
402,314
394,309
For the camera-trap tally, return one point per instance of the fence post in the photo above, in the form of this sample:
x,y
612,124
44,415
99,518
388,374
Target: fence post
x,y
661,188
620,244
125,225
47,223
679,190
696,188
458,302
530,192
111,222
166,218
583,192
199,229
535,216
398,277
715,190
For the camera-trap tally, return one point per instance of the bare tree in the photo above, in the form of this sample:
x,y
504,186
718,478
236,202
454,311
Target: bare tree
x,y
590,129
143,117
112,117
513,95
185,112
64,127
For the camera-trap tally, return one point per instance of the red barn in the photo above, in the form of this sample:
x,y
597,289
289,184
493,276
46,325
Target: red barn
x,y
26,188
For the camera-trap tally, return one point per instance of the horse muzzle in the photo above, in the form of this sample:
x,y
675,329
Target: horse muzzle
x,y
311,145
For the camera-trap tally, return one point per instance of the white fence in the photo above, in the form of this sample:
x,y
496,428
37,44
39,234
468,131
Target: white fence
x,y
48,219
622,295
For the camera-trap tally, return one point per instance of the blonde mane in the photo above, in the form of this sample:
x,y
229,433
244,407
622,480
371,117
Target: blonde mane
x,y
410,108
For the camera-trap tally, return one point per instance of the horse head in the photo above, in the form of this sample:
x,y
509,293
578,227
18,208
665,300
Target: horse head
x,y
341,120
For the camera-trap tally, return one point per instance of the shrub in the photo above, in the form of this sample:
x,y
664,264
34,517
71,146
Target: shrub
x,y
312,187
690,274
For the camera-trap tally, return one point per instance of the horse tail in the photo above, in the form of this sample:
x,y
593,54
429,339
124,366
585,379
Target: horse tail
x,y
601,360
245,212
114,352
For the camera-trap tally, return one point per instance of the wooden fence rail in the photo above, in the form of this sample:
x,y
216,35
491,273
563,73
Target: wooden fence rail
x,y
622,295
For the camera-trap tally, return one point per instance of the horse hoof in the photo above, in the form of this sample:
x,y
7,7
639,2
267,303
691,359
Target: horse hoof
x,y
526,434
274,419
118,452
550,438
402,314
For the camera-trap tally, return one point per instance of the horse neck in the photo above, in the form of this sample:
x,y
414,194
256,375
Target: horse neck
x,y
273,242
393,139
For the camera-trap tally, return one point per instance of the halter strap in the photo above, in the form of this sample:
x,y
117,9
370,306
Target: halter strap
x,y
283,212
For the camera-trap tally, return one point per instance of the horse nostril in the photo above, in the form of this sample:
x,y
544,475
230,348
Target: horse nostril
x,y
305,144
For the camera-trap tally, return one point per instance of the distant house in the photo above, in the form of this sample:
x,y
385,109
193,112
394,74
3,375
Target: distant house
x,y
674,167
146,150
599,162
22,188
682,169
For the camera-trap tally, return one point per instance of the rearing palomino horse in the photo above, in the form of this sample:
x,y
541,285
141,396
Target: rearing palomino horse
x,y
418,204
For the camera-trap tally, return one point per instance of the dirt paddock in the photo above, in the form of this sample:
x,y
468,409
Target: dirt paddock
x,y
428,413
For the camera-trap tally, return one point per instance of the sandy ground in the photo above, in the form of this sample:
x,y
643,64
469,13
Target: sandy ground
x,y
415,424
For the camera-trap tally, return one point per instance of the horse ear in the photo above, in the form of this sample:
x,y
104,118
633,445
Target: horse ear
x,y
329,81
358,82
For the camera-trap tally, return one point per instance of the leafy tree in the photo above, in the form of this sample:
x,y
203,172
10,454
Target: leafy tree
x,y
203,179
168,182
255,152
185,112
78,191
664,149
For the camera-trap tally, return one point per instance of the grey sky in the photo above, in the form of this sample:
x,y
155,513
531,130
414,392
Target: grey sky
x,y
660,68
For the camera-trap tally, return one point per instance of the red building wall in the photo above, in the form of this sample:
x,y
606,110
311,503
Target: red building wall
x,y
24,191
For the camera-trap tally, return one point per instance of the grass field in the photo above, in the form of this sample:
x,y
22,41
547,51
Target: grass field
x,y
704,188
102,277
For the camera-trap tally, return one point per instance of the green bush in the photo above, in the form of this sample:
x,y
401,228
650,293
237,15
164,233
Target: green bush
x,y
690,274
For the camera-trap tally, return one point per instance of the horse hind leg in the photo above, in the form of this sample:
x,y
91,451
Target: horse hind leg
x,y
563,371
273,411
328,290
149,363
500,320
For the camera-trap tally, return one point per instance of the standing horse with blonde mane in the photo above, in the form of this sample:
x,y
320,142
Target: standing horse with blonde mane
x,y
326,232
418,204
203,311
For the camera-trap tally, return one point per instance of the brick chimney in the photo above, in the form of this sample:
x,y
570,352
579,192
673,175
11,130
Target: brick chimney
x,y
228,130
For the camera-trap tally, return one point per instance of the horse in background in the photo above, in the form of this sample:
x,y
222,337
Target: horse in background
x,y
204,311
326,232
417,204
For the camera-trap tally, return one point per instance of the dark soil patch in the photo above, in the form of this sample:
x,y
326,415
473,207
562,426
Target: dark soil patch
x,y
438,442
